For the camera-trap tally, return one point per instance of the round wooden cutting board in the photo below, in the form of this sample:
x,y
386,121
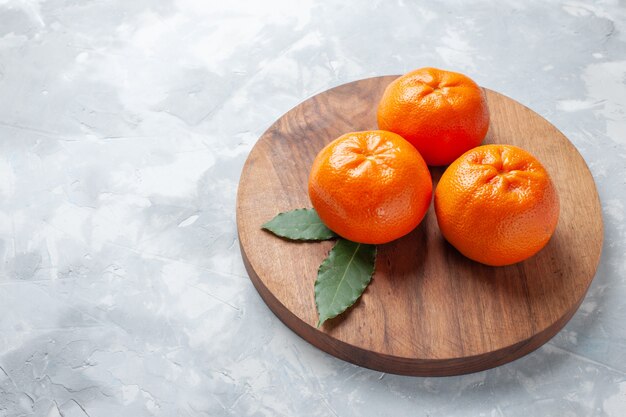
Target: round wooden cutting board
x,y
428,310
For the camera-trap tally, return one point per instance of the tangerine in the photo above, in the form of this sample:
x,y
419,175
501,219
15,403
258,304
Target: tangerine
x,y
497,205
370,186
442,113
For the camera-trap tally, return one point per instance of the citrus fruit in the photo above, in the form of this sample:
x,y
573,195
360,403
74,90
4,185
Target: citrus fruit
x,y
442,113
497,205
370,187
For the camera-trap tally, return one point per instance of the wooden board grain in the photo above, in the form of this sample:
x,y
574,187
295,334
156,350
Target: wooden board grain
x,y
428,310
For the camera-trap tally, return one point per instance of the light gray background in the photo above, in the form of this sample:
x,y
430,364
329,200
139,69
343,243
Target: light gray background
x,y
124,126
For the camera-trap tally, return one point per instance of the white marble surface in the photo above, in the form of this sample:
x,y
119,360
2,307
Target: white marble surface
x,y
124,126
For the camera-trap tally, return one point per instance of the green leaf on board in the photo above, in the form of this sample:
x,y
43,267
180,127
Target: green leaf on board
x,y
300,224
342,277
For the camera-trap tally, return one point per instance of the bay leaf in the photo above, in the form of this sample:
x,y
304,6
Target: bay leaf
x,y
342,277
299,224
